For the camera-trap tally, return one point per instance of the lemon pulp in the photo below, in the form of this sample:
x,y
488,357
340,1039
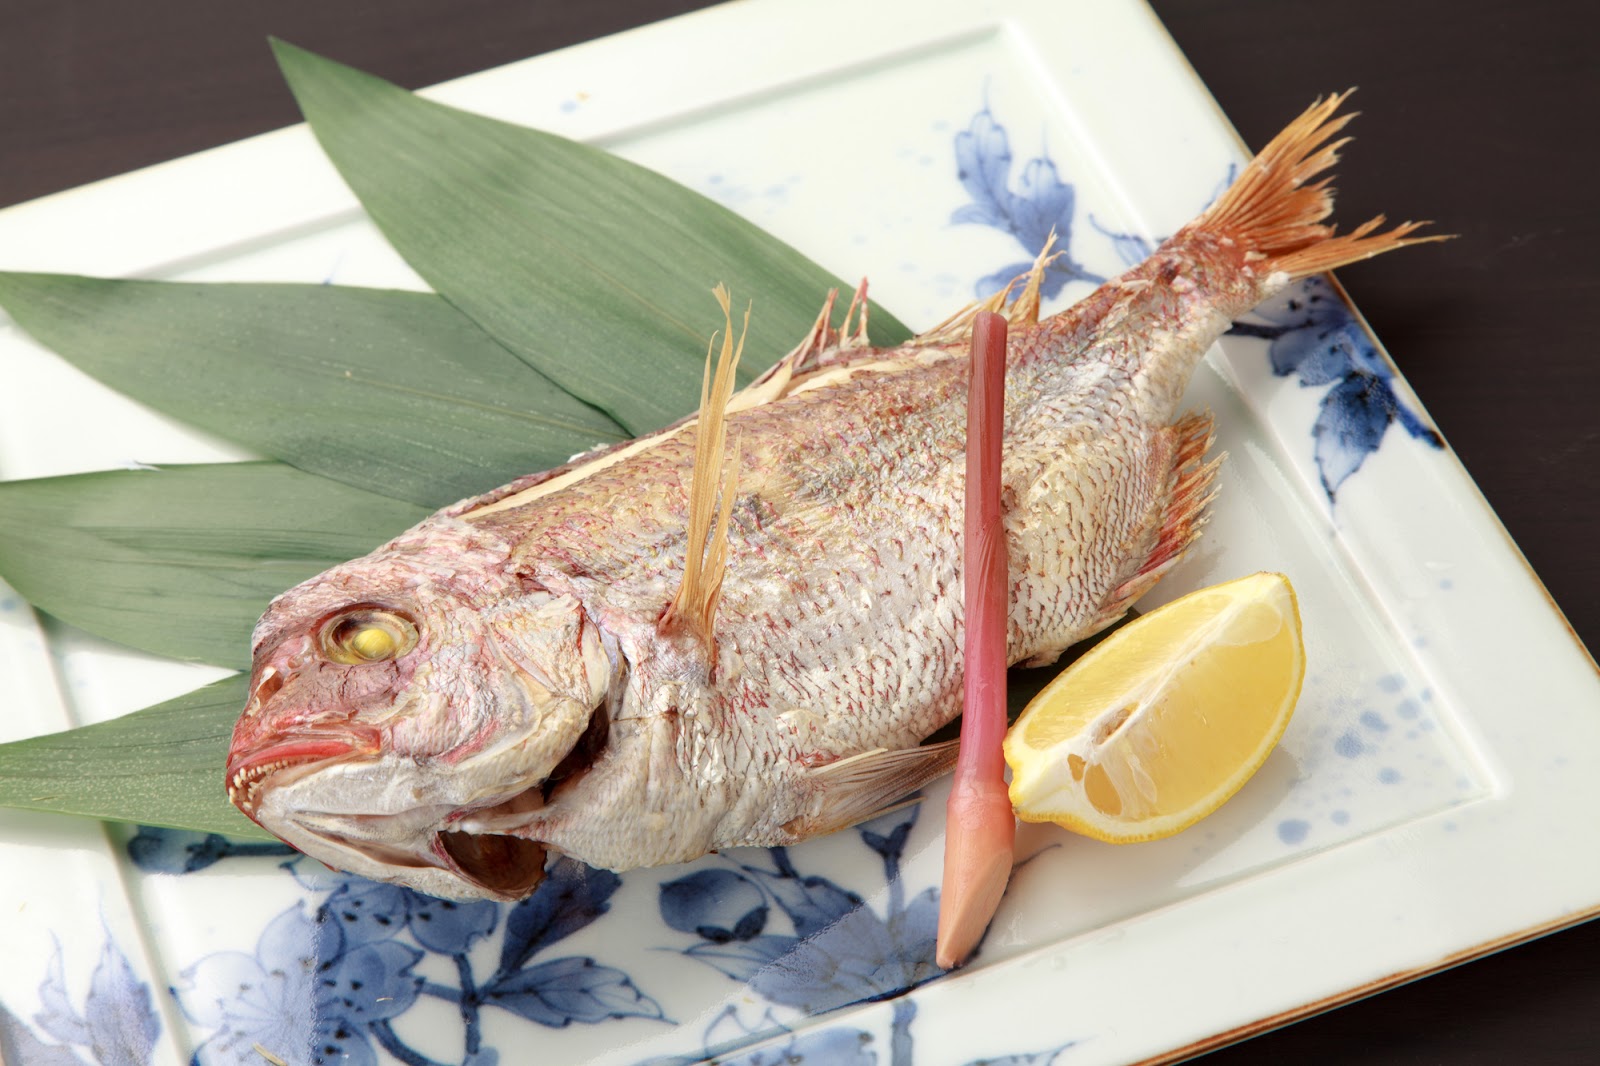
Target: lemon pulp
x,y
1156,726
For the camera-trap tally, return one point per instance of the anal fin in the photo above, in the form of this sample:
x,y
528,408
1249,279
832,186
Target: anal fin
x,y
874,782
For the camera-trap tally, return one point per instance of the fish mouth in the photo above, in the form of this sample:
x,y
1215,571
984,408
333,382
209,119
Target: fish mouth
x,y
495,865
478,850
285,762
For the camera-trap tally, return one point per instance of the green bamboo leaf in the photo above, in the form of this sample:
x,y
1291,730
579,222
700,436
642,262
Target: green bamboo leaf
x,y
159,766
394,392
592,269
181,561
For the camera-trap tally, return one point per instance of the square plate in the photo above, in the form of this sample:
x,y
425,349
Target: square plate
x,y
1407,773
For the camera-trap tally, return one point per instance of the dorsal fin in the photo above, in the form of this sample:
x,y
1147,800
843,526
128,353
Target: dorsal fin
x,y
775,381
1021,311
695,605
859,308
780,377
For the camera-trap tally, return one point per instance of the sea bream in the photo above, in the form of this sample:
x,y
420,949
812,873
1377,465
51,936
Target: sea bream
x,y
738,630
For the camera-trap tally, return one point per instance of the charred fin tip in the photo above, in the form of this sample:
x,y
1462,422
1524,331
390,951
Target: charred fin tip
x,y
1020,311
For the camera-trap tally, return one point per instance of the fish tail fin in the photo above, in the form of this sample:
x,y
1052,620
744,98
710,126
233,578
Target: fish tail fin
x,y
711,488
1276,211
1191,486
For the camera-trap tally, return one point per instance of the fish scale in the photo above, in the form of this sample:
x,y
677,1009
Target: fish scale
x,y
737,630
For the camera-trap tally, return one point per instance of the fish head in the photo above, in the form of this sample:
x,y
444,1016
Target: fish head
x,y
393,696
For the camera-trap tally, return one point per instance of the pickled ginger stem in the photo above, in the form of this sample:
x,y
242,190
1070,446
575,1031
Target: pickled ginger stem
x,y
980,827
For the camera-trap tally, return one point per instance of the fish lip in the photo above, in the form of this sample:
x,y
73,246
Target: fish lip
x,y
377,851
249,771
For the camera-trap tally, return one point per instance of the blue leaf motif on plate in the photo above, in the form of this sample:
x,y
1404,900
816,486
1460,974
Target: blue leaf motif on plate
x,y
20,1044
122,1023
718,905
1314,338
575,989
116,1027
59,1018
1040,205
326,987
841,951
176,851
812,904
571,896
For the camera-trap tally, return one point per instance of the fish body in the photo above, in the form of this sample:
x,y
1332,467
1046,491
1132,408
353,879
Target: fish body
x,y
737,630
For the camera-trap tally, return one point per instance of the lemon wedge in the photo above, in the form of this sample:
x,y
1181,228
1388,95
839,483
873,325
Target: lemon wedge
x,y
1157,725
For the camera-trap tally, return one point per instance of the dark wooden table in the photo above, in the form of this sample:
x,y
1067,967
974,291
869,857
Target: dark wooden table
x,y
1480,114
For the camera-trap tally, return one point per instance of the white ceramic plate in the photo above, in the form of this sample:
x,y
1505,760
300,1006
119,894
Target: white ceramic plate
x,y
1428,803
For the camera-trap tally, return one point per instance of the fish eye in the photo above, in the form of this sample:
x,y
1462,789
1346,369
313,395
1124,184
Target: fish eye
x,y
366,635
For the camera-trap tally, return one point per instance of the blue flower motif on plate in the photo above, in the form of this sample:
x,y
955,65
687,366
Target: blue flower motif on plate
x,y
326,985
1314,338
1041,204
837,950
117,1026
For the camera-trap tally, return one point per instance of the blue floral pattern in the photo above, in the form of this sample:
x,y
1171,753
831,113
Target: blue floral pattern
x,y
1041,204
325,986
117,1025
1131,249
837,950
1314,337
168,851
329,977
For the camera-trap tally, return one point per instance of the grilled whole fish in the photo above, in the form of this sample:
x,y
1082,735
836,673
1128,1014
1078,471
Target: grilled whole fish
x,y
737,630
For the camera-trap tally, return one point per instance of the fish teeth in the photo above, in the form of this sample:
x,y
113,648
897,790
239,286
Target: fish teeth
x,y
249,780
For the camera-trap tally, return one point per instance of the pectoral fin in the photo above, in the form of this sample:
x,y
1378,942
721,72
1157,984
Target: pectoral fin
x,y
872,783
